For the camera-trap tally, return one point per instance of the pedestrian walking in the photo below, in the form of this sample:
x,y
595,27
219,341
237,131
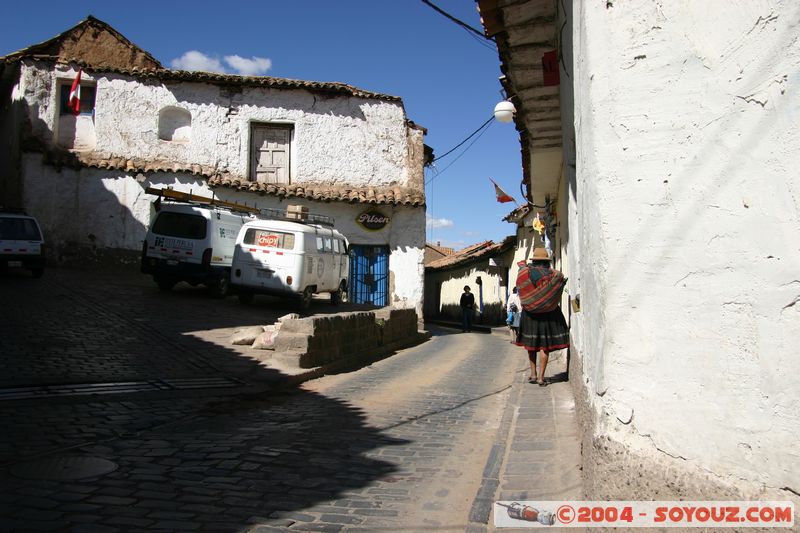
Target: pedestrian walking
x,y
467,308
542,327
513,309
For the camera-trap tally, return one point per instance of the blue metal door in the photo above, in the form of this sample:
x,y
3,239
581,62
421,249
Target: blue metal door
x,y
369,274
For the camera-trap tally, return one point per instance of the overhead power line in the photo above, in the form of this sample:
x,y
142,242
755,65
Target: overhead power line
x,y
457,21
470,136
483,129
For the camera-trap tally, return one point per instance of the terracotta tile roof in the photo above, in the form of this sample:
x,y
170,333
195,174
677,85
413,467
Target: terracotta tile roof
x,y
471,253
310,191
326,193
60,158
441,249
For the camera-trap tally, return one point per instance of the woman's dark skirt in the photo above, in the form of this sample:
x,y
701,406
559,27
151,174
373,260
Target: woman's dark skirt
x,y
543,331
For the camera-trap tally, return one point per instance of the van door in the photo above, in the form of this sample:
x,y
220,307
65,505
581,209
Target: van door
x,y
178,237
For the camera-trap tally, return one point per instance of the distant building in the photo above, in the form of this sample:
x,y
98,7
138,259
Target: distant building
x,y
485,268
434,252
339,150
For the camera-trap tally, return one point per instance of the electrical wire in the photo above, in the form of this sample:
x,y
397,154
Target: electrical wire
x,y
457,21
453,149
486,127
483,43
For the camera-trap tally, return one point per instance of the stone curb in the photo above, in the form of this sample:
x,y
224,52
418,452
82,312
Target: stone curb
x,y
484,499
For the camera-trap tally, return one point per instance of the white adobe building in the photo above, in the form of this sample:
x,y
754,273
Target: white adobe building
x,y
336,149
668,153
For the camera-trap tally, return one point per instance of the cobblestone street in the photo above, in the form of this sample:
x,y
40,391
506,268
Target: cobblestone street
x,y
183,433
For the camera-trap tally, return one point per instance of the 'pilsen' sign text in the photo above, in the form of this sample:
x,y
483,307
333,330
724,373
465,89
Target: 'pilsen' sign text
x,y
373,220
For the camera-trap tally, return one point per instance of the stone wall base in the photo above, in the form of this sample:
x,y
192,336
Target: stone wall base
x,y
316,341
614,470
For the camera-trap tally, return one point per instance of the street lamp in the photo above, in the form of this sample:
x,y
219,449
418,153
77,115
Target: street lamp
x,y
504,111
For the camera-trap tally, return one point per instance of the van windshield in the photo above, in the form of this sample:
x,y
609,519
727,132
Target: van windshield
x,y
271,239
19,229
180,225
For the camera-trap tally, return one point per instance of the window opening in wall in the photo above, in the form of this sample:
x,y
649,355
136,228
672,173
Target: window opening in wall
x,y
87,100
269,153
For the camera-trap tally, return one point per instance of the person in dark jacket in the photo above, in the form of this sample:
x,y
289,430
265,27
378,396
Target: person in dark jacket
x,y
541,333
467,308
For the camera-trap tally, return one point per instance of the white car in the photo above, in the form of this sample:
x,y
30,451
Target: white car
x,y
21,242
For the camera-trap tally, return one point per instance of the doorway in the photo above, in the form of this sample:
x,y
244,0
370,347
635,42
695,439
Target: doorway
x,y
369,274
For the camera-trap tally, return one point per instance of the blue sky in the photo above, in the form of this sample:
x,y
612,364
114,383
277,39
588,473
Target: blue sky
x,y
447,78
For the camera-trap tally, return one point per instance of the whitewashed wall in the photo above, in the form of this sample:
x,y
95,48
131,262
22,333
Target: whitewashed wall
x,y
688,212
337,139
450,284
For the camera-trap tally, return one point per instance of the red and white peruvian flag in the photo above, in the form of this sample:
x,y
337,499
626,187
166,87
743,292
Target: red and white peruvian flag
x,y
74,102
502,196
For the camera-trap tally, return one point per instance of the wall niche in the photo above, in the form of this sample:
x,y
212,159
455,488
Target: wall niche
x,y
174,124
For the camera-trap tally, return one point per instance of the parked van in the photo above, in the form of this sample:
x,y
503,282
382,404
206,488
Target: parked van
x,y
21,242
291,258
194,243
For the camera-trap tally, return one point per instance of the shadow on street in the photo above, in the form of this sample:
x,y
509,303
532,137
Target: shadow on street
x,y
182,462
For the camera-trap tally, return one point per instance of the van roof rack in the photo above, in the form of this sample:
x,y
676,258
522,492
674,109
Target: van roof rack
x,y
190,198
278,214
275,214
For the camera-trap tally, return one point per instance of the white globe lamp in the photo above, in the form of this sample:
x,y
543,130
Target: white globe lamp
x,y
504,111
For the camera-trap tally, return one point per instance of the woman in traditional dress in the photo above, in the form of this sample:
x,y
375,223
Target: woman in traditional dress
x,y
541,333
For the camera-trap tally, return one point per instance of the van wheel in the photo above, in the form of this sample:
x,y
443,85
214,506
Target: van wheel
x,y
339,296
245,297
305,298
165,284
221,288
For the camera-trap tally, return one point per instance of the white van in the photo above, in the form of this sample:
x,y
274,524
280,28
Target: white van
x,y
21,242
193,243
291,259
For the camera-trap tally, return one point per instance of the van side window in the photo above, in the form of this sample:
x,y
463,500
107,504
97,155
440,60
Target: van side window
x,y
271,239
328,244
180,225
320,246
336,246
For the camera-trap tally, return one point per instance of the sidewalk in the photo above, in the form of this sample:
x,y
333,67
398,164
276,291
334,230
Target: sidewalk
x,y
537,452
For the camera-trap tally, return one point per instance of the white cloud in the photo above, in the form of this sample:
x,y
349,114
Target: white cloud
x,y
255,66
437,222
194,60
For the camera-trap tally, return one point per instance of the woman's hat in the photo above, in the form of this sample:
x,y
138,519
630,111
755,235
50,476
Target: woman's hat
x,y
540,254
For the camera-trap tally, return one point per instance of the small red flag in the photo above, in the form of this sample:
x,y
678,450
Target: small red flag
x,y
502,196
74,102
